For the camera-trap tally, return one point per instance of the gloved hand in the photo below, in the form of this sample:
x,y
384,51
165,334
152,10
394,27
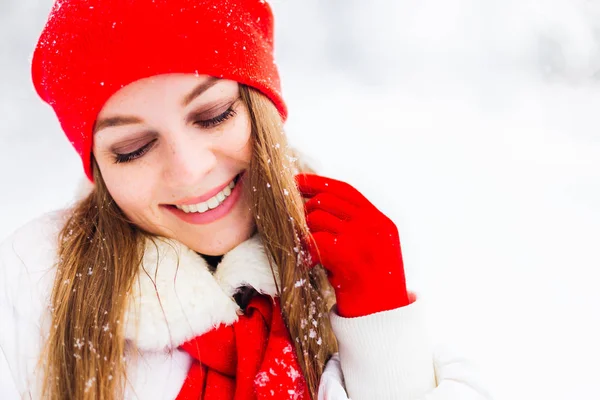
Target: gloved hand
x,y
359,247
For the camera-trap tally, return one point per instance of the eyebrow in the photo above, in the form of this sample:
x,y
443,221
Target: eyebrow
x,y
116,121
198,90
129,120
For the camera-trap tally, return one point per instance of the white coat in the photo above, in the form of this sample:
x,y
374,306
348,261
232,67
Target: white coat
x,y
387,355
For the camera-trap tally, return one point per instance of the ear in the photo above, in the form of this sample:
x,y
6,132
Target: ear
x,y
84,188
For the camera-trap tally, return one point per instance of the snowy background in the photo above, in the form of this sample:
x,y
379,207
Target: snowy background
x,y
473,124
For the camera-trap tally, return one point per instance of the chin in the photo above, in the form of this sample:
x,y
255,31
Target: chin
x,y
223,242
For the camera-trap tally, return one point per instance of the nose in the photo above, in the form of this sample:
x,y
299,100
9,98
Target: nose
x,y
188,162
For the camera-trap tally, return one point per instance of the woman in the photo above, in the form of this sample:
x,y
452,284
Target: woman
x,y
193,270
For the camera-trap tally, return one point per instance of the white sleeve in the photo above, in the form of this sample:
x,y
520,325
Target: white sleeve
x,y
389,355
26,276
331,386
458,377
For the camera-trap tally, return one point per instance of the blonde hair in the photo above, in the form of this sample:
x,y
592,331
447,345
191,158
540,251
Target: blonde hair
x,y
81,361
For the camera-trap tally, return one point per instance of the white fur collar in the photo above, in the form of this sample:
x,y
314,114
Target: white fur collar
x,y
177,297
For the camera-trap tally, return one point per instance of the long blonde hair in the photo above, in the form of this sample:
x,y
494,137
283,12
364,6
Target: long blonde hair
x,y
100,253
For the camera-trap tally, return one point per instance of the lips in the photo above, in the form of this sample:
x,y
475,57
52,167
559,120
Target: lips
x,y
238,176
199,217
209,195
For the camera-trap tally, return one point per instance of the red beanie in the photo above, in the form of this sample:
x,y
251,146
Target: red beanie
x,y
90,49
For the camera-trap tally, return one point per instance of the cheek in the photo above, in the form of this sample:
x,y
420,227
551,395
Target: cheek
x,y
133,196
238,139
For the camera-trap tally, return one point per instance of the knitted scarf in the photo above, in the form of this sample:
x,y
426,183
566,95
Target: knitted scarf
x,y
252,359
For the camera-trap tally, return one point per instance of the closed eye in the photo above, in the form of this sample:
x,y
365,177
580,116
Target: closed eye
x,y
124,158
219,119
206,124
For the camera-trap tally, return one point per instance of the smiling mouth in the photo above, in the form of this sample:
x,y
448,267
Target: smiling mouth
x,y
211,203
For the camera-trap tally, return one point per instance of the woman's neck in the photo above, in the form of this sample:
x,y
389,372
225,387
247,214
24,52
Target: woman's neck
x,y
213,261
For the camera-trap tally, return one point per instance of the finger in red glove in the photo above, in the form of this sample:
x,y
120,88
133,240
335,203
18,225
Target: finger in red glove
x,y
358,245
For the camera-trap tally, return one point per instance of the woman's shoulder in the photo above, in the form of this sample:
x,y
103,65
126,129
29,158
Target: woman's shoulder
x,y
29,253
39,232
27,272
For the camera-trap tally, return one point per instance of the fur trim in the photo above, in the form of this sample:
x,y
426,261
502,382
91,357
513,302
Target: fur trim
x,y
177,297
246,265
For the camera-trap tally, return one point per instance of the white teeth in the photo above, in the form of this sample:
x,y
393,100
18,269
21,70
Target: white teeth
x,y
211,203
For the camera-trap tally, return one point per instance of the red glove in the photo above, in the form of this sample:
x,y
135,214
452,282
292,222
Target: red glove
x,y
359,247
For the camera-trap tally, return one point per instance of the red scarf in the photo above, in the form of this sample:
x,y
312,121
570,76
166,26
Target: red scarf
x,y
253,359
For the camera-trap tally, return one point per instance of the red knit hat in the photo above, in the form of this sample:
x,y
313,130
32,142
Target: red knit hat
x,y
89,49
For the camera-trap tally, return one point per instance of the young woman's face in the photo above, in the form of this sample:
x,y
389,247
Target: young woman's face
x,y
169,147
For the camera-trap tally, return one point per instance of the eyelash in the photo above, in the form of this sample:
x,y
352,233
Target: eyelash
x,y
209,123
124,158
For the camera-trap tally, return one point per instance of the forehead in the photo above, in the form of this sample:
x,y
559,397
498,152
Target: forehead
x,y
179,89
